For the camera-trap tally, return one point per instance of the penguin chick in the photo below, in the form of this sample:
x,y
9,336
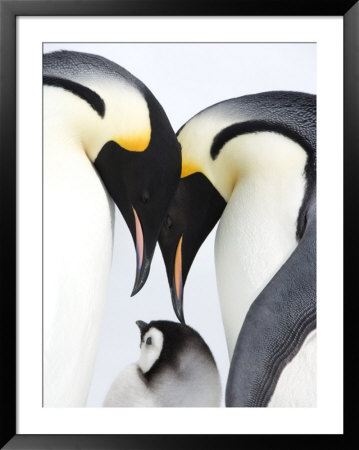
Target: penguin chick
x,y
176,368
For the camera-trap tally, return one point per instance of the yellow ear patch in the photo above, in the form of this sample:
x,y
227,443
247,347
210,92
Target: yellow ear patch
x,y
134,142
189,167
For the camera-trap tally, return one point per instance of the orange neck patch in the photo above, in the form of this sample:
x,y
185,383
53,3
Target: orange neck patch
x,y
134,142
188,168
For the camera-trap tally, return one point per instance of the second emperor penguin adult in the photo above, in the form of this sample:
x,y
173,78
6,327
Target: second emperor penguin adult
x,y
250,162
106,140
176,369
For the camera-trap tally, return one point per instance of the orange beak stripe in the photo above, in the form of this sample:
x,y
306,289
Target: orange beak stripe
x,y
139,240
178,269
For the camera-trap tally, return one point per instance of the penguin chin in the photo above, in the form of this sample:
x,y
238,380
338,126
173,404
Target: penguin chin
x,y
150,353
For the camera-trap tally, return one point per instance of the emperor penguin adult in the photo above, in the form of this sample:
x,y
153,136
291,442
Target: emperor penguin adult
x,y
106,139
176,368
250,162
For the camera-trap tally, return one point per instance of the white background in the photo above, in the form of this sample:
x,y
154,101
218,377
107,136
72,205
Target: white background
x,y
185,78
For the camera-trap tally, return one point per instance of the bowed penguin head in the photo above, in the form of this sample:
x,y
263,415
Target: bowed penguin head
x,y
226,143
126,135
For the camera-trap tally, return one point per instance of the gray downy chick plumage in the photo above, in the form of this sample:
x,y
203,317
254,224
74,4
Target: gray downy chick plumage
x,y
176,369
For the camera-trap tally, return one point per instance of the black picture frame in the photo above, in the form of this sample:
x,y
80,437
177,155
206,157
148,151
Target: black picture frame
x,y
9,11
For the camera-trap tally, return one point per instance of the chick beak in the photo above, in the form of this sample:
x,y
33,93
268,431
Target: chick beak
x,y
141,325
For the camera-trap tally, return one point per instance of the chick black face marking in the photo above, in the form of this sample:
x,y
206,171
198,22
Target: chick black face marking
x,y
163,344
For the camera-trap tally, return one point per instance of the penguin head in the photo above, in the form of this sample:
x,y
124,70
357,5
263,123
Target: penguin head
x,y
127,136
151,346
163,345
142,184
194,211
221,145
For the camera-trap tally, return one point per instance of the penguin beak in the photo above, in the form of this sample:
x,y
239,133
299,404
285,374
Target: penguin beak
x,y
141,325
143,262
194,211
177,283
142,186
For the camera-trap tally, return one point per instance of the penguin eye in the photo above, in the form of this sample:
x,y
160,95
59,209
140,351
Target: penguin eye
x,y
145,196
149,341
169,222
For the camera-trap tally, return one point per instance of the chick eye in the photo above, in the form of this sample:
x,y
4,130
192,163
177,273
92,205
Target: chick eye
x,y
149,341
145,197
169,222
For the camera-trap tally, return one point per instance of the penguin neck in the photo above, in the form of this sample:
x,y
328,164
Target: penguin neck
x,y
78,240
257,231
269,156
125,119
70,124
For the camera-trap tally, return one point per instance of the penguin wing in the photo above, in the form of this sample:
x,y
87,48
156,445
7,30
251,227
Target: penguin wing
x,y
276,325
